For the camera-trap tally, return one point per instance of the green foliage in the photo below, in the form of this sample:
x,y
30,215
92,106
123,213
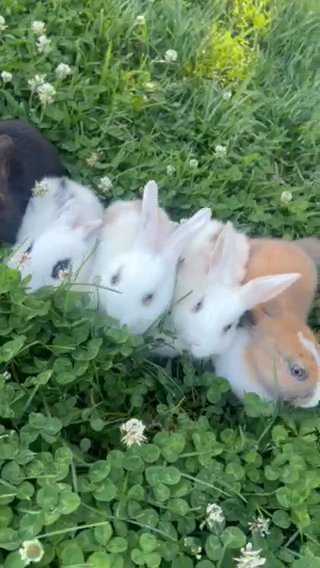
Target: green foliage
x,y
69,379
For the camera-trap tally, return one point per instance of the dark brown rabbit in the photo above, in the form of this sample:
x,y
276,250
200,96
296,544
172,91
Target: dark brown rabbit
x,y
26,156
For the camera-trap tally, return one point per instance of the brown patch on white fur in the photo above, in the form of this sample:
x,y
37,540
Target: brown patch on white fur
x,y
274,347
270,257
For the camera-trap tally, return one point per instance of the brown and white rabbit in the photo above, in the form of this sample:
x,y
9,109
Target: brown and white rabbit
x,y
26,157
275,354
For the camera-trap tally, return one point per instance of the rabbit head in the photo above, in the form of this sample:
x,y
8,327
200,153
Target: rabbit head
x,y
209,299
64,249
139,280
284,358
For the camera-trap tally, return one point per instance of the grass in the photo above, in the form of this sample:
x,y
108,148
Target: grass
x,y
148,118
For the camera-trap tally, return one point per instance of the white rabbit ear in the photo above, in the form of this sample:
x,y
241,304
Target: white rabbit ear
x,y
229,255
149,216
75,218
180,237
262,289
62,192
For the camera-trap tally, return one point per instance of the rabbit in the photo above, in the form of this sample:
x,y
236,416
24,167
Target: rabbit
x,y
137,258
209,299
59,192
62,252
26,156
274,353
276,358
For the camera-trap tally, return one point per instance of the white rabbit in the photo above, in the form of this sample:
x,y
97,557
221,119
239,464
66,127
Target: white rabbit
x,y
44,208
209,298
65,250
137,258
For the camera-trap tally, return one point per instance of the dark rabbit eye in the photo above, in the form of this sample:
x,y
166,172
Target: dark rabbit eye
x,y
29,249
59,266
247,319
227,328
147,299
298,372
198,306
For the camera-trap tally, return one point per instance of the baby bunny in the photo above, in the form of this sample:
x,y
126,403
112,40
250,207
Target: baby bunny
x,y
137,259
26,156
276,358
58,231
62,252
274,353
209,298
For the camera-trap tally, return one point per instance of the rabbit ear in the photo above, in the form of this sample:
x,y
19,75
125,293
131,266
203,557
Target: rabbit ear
x,y
229,255
62,192
180,237
262,289
75,218
149,216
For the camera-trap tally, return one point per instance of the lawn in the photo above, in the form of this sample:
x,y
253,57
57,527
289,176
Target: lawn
x,y
218,101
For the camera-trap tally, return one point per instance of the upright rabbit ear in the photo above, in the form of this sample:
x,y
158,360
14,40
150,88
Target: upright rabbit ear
x,y
180,237
262,289
229,255
149,217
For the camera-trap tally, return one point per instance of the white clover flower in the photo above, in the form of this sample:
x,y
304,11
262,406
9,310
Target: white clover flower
x,y
140,20
6,76
171,170
43,44
63,70
46,93
40,189
31,551
92,159
133,431
260,525
249,558
193,163
170,55
227,95
151,86
23,259
105,184
220,151
286,197
36,81
38,28
3,26
214,515
6,375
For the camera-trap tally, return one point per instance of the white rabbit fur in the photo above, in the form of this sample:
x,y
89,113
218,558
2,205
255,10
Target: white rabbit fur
x,y
137,259
209,298
58,233
44,208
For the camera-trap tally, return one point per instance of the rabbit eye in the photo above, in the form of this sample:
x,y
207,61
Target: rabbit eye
x,y
29,249
147,299
198,306
227,328
298,372
59,266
